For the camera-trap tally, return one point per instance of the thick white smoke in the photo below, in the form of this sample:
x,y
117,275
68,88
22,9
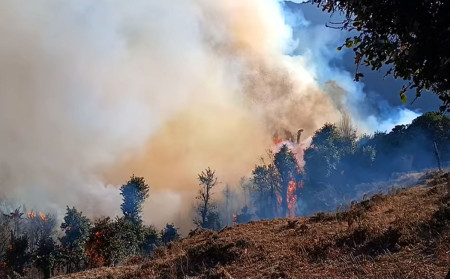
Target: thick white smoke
x,y
94,91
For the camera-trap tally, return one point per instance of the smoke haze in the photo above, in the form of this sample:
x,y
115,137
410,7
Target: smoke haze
x,y
94,91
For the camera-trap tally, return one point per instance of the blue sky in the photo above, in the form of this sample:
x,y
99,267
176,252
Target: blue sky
x,y
380,92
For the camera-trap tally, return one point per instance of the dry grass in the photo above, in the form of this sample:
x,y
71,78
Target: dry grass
x,y
405,234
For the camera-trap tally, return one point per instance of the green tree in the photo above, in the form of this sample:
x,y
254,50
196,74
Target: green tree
x,y
322,157
134,194
151,240
206,209
169,234
403,35
266,188
76,229
46,256
17,256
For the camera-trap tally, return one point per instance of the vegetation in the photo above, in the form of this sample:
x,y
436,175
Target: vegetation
x,y
134,194
401,35
32,249
206,209
76,232
404,234
338,167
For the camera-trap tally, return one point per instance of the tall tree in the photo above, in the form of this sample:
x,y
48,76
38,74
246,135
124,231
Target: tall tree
x,y
402,34
76,229
134,194
208,217
46,256
267,187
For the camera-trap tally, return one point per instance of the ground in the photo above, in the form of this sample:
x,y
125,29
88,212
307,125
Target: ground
x,y
402,234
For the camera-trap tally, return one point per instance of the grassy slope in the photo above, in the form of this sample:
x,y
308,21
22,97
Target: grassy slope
x,y
405,234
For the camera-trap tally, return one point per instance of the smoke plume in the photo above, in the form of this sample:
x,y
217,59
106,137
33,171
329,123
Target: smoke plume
x,y
92,92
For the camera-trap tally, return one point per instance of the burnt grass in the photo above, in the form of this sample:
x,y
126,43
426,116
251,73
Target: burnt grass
x,y
404,234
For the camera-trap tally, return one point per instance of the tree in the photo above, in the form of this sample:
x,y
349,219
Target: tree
x,y
150,242
76,229
17,256
289,172
134,194
206,209
46,256
266,187
401,34
169,234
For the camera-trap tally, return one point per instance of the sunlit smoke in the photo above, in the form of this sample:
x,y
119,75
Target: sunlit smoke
x,y
95,91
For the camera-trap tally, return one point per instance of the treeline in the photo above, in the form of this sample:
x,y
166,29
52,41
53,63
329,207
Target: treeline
x,y
30,245
339,162
338,167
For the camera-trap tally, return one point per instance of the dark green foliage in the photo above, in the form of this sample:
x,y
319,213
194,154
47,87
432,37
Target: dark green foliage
x,y
323,156
130,236
169,234
412,37
151,241
76,229
134,194
46,256
112,242
338,163
206,209
17,256
266,187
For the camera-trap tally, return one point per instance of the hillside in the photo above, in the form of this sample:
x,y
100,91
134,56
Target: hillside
x,y
404,234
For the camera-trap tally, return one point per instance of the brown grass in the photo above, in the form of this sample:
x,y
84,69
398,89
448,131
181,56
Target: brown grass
x,y
405,234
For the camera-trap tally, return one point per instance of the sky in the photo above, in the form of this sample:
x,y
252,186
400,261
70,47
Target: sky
x,y
381,89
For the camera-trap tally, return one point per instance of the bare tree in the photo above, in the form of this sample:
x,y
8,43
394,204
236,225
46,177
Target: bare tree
x,y
208,217
345,126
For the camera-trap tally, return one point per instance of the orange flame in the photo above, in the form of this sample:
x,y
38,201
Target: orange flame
x,y
292,198
42,216
97,234
277,141
31,215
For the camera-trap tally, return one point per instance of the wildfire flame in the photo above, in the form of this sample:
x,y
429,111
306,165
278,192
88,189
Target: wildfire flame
x,y
97,234
292,198
298,150
31,215
42,217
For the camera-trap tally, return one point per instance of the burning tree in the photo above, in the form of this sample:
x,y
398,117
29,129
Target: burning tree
x,y
206,209
76,233
289,173
134,194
